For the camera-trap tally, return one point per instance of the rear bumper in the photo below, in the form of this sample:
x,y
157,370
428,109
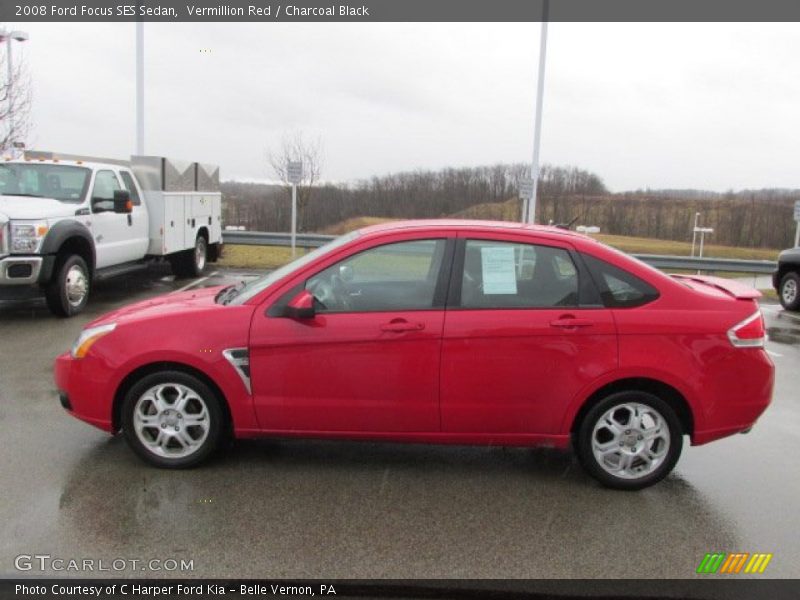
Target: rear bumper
x,y
741,393
776,283
81,392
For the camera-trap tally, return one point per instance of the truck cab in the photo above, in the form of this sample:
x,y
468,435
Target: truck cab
x,y
68,221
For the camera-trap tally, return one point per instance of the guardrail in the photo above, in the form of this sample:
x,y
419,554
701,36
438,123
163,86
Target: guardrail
x,y
688,263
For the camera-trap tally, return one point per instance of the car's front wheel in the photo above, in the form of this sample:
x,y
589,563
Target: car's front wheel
x,y
629,440
172,419
790,291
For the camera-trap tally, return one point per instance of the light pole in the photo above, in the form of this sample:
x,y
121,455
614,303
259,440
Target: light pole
x,y
8,38
529,206
694,231
140,88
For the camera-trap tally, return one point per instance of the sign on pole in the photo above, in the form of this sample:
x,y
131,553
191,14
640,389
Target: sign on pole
x,y
526,188
294,173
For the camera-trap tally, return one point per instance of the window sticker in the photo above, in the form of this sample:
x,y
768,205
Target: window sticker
x,y
499,274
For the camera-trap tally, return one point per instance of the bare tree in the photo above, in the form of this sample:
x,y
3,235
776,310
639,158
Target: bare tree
x,y
15,103
296,148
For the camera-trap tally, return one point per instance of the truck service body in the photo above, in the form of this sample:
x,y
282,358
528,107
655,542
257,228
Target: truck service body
x,y
66,221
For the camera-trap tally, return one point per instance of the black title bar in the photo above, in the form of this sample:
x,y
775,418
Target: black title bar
x,y
267,11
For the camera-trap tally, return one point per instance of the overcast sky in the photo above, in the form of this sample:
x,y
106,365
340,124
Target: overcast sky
x,y
712,106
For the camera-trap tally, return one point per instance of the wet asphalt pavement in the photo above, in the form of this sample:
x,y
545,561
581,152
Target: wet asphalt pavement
x,y
297,508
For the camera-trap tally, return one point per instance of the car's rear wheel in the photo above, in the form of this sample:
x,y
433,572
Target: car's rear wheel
x,y
790,291
172,419
629,440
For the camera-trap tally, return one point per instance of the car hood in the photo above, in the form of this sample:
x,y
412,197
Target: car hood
x,y
24,207
191,300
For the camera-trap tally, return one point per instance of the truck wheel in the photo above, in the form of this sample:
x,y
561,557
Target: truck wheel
x,y
191,263
790,291
68,291
629,440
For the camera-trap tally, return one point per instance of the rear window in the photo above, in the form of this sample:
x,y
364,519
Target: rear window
x,y
619,288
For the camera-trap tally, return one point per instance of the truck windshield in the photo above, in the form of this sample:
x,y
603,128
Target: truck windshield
x,y
37,180
244,293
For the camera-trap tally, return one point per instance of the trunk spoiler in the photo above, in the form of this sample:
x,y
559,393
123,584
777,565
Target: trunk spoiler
x,y
738,290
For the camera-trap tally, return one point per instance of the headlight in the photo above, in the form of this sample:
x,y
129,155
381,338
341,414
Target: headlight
x,y
27,236
88,337
3,239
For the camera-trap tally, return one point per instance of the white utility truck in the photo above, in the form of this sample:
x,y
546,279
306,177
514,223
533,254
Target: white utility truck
x,y
67,221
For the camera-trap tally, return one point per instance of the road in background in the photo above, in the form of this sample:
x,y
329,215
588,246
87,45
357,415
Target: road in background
x,y
294,508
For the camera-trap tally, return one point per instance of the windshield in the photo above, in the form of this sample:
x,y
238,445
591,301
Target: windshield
x,y
254,287
62,182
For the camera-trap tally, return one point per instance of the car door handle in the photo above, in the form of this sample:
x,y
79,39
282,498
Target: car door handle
x,y
569,322
400,325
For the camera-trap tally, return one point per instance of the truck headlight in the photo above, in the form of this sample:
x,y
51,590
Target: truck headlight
x,y
88,337
3,239
27,236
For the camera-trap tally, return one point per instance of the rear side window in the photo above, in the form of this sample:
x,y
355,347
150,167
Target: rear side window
x,y
511,275
619,288
127,181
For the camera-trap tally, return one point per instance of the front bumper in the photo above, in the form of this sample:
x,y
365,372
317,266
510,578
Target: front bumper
x,y
83,391
776,281
20,270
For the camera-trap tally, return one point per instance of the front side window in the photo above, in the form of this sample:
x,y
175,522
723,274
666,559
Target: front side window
x,y
510,275
105,184
618,288
400,276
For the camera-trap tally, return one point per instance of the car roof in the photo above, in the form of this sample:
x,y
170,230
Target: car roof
x,y
475,225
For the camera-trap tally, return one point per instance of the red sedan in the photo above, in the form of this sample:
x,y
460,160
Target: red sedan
x,y
437,332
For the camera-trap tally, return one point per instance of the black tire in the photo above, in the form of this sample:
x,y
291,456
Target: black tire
x,y
170,424
628,434
789,292
191,263
62,292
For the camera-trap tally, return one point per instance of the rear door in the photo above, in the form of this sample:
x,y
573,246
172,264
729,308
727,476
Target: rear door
x,y
138,223
524,334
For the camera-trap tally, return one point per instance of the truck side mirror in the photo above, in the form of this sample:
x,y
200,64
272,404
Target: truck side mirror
x,y
301,306
122,202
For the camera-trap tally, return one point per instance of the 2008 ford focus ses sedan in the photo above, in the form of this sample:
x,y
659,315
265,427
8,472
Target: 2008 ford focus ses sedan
x,y
437,332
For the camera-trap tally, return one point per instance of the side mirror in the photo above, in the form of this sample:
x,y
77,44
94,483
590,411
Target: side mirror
x,y
122,202
301,306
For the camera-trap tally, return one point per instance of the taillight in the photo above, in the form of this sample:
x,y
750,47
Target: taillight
x,y
749,333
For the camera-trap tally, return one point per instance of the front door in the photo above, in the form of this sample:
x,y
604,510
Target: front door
x,y
368,361
518,344
119,238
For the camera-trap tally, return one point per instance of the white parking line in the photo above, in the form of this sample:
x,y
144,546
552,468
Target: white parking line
x,y
771,353
196,282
